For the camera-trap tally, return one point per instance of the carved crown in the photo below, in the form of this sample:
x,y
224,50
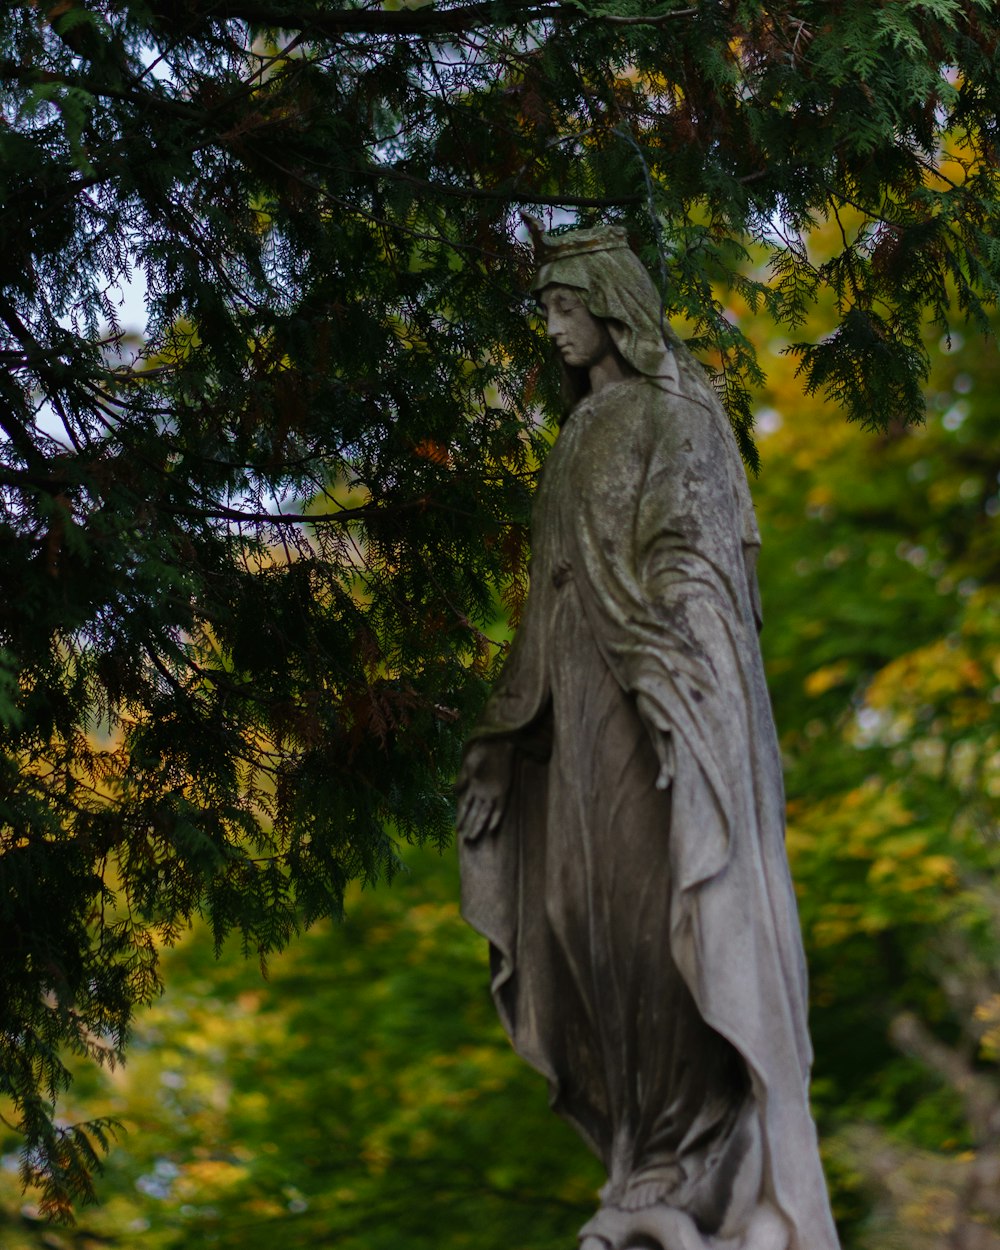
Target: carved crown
x,y
572,240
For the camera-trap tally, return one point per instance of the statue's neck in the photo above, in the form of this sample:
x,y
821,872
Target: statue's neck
x,y
608,371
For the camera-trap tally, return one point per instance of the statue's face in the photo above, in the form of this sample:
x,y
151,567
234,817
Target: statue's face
x,y
580,338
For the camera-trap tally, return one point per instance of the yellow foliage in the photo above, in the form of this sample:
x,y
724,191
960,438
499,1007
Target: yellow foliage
x,y
798,840
907,674
882,869
210,1174
858,796
823,679
906,846
929,755
941,869
932,1212
831,932
988,1013
962,763
822,495
899,863
255,1103
875,810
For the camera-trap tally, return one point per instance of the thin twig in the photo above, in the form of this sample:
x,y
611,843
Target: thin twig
x,y
217,512
660,20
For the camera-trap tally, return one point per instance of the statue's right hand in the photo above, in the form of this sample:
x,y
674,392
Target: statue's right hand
x,y
483,785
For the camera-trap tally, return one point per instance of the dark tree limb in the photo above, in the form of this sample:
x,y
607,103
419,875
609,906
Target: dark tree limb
x,y
427,21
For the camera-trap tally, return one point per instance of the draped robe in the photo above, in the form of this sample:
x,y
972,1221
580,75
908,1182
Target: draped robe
x,y
645,947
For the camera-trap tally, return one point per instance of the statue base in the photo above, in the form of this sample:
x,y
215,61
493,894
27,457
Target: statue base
x,y
665,1228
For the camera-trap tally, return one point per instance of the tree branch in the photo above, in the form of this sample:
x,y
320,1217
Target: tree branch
x,y
519,195
426,21
659,20
429,20
220,513
982,1104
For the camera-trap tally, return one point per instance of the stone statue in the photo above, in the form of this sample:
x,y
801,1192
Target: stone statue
x,y
621,811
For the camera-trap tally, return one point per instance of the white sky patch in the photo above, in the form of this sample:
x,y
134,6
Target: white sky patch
x,y
768,421
129,293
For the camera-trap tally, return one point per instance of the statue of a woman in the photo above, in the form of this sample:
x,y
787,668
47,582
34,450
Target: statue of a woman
x,y
621,807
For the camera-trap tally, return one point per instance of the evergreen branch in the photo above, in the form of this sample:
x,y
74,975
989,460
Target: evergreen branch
x,y
345,515
428,21
432,21
515,195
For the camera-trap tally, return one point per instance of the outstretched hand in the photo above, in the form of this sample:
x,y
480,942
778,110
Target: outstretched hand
x,y
661,738
482,787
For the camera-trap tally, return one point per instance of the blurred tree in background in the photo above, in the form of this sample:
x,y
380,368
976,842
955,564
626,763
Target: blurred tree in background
x,y
248,566
883,594
881,597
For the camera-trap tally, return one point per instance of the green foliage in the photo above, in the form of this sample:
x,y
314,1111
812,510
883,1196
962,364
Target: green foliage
x,y
249,566
364,1095
882,624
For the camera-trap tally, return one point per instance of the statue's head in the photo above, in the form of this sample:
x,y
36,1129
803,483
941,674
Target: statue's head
x,y
581,339
598,268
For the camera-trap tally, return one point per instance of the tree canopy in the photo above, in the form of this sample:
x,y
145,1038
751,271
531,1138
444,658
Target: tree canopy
x,y
251,561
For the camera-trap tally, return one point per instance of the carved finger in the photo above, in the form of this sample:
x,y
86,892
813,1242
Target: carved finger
x,y
470,818
496,815
486,817
475,819
665,755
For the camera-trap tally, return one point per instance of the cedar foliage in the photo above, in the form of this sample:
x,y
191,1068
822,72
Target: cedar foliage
x,y
247,567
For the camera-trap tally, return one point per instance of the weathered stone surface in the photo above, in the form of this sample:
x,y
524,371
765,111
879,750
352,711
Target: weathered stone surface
x,y
621,806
